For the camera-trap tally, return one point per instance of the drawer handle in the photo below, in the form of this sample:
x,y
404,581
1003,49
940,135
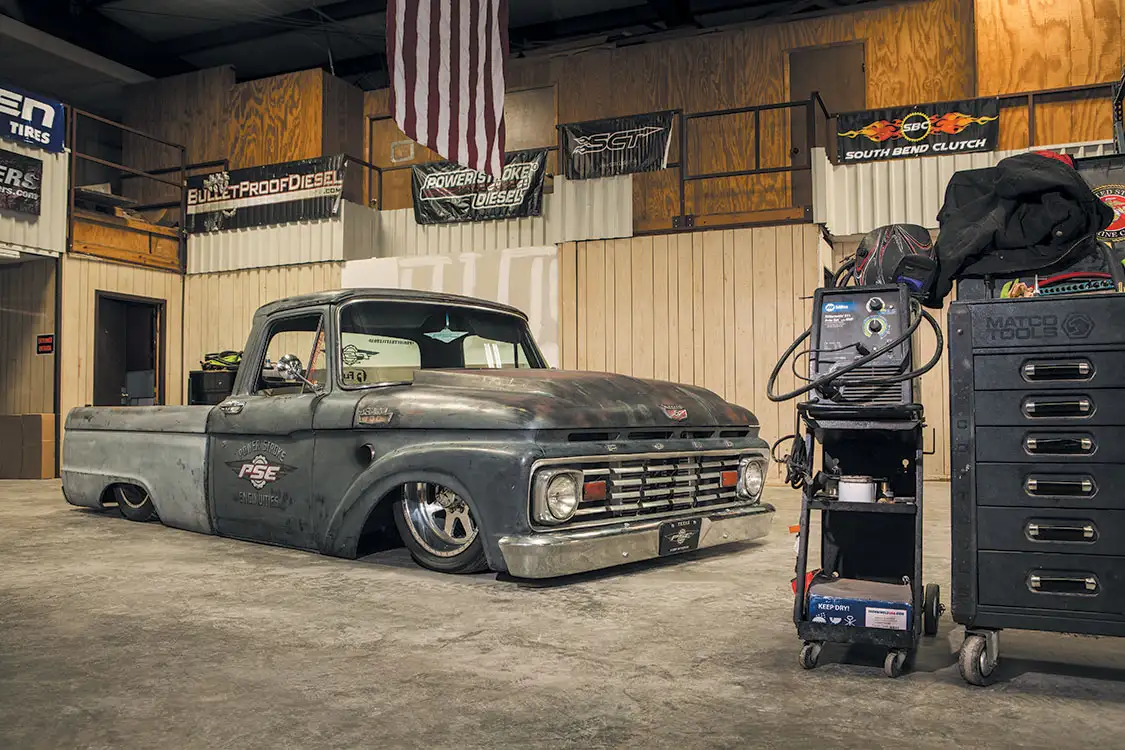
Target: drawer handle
x,y
1061,445
1080,407
1045,371
1059,487
1062,584
1051,533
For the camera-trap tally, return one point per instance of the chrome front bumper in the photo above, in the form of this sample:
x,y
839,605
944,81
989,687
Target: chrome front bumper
x,y
552,554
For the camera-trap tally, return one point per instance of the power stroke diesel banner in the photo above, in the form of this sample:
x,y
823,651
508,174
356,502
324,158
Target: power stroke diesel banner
x,y
21,183
618,145
447,193
922,130
272,194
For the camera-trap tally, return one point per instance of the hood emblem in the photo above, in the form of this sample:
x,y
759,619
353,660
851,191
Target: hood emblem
x,y
674,411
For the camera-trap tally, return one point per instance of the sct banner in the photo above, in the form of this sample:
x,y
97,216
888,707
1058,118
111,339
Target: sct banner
x,y
618,145
273,194
31,119
21,183
922,130
446,192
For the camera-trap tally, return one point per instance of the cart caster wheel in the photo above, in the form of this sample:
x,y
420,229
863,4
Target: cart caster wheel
x,y
893,664
972,661
810,652
931,609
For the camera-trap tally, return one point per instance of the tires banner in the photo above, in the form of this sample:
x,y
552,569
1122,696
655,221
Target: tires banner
x,y
31,119
21,183
446,193
922,130
273,194
618,145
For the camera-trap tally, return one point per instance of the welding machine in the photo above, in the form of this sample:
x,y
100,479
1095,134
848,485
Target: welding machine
x,y
861,410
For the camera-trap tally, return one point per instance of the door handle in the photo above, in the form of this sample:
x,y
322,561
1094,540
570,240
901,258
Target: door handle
x,y
1062,584
1043,371
1061,533
1060,445
1072,487
232,407
1078,407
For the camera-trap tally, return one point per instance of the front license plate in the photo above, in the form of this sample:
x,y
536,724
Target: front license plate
x,y
680,536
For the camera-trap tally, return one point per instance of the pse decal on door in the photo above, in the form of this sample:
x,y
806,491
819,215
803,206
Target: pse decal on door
x,y
260,464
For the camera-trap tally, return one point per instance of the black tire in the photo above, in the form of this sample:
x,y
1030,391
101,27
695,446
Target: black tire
x,y
810,653
893,664
931,610
971,661
134,503
469,560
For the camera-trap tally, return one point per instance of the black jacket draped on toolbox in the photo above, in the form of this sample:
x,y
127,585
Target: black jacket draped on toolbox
x,y
1027,213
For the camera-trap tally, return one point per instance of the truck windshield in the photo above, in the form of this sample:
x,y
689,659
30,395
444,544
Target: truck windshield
x,y
386,342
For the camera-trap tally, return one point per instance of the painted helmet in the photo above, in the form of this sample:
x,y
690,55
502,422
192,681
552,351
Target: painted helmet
x,y
894,254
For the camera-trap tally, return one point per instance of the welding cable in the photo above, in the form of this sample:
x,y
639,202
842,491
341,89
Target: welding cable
x,y
796,468
939,346
829,377
844,268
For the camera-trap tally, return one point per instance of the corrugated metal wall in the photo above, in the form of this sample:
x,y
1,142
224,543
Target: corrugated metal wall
x,y
527,278
27,309
856,198
578,210
46,232
219,306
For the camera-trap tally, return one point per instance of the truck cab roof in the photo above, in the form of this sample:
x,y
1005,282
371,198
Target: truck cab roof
x,y
339,296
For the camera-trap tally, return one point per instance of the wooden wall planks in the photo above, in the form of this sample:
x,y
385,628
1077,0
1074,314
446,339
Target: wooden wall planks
x,y
27,309
714,309
276,119
220,306
82,278
342,126
1028,45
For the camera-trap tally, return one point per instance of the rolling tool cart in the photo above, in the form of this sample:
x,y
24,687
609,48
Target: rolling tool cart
x,y
861,413
1037,390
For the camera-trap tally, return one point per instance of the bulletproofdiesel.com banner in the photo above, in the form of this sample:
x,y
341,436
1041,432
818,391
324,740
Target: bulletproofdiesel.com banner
x,y
921,130
272,194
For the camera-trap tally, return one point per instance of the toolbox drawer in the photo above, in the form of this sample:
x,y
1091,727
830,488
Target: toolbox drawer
x,y
1049,371
1077,583
1051,485
1050,408
1054,530
1073,445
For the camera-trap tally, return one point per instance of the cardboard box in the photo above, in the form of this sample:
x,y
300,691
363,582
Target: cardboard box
x,y
861,604
38,428
38,460
11,446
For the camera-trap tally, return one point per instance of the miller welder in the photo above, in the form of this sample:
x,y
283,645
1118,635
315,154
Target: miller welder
x,y
861,410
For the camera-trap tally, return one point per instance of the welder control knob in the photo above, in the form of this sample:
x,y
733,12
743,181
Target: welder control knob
x,y
874,304
875,326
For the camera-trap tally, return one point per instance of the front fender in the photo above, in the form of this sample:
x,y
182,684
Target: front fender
x,y
491,477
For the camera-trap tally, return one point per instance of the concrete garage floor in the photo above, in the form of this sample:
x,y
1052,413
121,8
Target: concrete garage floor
x,y
120,635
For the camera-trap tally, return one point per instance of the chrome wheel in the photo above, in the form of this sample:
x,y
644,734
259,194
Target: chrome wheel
x,y
438,519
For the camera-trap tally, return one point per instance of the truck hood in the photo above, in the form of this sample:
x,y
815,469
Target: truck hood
x,y
544,400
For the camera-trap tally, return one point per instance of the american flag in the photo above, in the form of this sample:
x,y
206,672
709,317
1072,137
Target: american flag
x,y
446,60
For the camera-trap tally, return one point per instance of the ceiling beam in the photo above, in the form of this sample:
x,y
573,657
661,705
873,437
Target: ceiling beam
x,y
263,28
102,36
674,13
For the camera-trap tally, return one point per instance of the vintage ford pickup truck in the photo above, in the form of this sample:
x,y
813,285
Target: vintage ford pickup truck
x,y
430,421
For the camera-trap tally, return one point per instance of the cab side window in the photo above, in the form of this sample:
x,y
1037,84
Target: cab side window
x,y
302,336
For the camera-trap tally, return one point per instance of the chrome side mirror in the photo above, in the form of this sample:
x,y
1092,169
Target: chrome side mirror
x,y
290,367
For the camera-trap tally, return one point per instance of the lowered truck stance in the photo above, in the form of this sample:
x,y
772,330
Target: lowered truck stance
x,y
433,420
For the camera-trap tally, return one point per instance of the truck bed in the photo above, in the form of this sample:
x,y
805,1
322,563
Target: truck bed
x,y
161,449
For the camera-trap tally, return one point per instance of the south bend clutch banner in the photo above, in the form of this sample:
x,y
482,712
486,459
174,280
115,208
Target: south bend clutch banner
x,y
921,130
446,193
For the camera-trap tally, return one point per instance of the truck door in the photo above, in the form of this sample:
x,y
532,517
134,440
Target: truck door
x,y
262,438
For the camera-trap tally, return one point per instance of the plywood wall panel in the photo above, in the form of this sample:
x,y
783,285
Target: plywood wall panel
x,y
276,119
27,309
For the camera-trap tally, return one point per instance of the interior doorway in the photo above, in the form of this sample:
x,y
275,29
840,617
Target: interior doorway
x,y
839,74
128,351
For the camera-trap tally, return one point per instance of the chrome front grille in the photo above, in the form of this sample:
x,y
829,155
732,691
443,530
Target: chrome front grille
x,y
653,486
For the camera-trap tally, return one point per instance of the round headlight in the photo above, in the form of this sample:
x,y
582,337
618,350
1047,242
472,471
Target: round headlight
x,y
562,496
751,477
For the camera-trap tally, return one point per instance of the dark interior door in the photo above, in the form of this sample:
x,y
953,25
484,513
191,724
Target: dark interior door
x,y
126,352
110,344
838,73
